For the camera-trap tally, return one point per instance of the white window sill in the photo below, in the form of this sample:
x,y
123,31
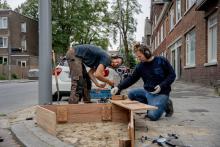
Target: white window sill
x,y
211,63
189,66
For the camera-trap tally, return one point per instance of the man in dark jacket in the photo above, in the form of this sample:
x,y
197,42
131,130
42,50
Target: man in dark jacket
x,y
158,75
95,58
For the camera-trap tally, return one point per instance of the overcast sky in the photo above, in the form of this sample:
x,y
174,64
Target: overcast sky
x,y
140,18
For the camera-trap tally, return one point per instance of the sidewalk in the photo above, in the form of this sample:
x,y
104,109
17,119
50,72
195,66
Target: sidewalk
x,y
196,121
17,81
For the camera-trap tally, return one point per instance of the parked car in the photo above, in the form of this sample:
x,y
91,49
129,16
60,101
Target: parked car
x,y
64,80
33,74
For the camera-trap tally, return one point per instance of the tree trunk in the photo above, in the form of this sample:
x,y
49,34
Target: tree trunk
x,y
126,51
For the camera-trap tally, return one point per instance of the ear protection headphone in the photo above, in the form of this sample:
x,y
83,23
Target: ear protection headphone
x,y
145,51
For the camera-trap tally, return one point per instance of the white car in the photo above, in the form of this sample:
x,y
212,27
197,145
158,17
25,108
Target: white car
x,y
64,80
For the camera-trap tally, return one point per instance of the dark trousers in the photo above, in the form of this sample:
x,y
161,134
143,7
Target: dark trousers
x,y
80,81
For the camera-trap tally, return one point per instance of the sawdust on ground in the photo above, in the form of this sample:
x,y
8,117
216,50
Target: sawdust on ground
x,y
106,134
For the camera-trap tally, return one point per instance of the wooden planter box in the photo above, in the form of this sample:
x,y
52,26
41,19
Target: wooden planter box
x,y
48,116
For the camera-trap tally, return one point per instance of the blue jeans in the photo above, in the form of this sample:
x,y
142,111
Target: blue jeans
x,y
158,100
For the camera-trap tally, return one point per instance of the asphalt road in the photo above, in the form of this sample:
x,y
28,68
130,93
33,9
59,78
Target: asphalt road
x,y
15,96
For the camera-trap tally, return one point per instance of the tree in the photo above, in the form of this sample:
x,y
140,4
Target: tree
x,y
4,5
81,21
29,8
124,23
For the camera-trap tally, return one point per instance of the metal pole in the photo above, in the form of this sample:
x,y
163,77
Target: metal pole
x,y
45,54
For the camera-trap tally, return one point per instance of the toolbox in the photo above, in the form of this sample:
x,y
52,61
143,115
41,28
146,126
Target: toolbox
x,y
100,93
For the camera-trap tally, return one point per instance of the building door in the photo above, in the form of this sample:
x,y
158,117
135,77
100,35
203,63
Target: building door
x,y
173,57
178,58
176,61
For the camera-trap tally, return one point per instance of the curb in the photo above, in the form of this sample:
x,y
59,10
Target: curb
x,y
30,135
17,81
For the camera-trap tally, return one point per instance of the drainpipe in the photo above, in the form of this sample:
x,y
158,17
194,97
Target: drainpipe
x,y
45,56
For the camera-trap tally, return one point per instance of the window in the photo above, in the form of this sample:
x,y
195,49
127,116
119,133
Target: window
x,y
3,22
23,27
155,20
189,4
190,48
22,63
3,42
171,19
158,37
161,33
4,60
23,45
178,10
212,38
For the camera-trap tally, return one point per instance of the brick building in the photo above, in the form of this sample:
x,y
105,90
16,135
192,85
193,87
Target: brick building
x,y
18,43
187,32
147,32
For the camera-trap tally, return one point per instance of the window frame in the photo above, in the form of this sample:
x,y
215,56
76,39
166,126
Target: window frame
x,y
23,27
190,38
211,52
5,42
2,22
161,33
20,63
178,11
24,48
3,58
171,19
189,4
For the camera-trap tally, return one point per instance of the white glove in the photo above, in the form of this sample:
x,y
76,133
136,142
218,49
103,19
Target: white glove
x,y
157,90
114,90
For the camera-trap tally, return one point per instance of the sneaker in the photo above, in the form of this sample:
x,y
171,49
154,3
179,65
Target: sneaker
x,y
169,109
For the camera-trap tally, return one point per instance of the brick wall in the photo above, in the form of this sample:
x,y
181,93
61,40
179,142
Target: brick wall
x,y
196,20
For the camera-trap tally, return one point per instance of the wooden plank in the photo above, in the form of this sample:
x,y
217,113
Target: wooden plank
x,y
124,143
120,114
119,97
46,119
132,129
50,107
61,114
133,105
107,113
79,113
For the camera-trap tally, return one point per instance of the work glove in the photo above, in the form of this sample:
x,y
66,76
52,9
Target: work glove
x,y
157,90
114,90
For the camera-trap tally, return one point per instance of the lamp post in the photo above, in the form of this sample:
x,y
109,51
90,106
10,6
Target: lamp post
x,y
45,52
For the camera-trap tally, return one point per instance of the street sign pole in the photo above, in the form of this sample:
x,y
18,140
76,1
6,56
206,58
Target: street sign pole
x,y
45,52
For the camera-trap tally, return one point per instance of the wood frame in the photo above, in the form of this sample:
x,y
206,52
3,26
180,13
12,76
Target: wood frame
x,y
48,116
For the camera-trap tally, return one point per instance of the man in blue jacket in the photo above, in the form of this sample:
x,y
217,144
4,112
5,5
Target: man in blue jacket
x,y
97,59
158,75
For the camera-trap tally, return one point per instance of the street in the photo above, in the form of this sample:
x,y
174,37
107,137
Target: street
x,y
17,95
